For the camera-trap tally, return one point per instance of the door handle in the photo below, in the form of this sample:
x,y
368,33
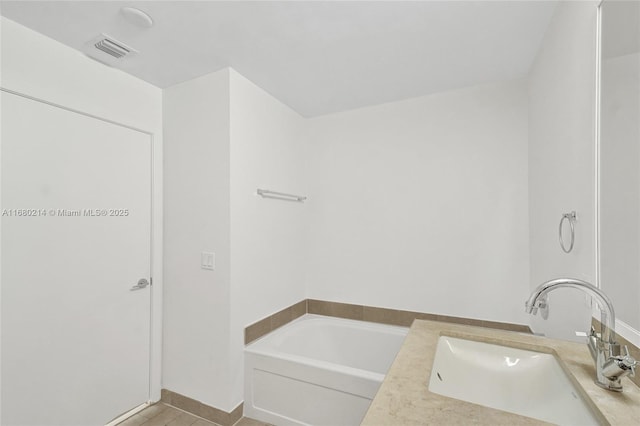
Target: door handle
x,y
142,283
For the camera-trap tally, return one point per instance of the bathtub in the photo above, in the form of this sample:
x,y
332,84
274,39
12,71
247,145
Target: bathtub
x,y
318,370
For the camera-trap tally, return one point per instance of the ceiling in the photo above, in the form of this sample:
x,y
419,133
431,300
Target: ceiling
x,y
317,57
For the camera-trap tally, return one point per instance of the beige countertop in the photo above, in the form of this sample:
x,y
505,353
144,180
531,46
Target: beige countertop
x,y
404,398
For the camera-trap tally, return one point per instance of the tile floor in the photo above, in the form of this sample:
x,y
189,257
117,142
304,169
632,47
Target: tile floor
x,y
161,414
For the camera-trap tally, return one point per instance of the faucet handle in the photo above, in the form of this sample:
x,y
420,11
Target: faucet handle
x,y
629,362
543,305
619,366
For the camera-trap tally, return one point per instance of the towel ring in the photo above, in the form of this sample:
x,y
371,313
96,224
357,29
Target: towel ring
x,y
571,217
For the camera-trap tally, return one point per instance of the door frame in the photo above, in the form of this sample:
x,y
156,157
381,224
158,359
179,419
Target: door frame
x,y
155,247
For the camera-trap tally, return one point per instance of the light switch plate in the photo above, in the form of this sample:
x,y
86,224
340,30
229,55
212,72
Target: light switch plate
x,y
208,260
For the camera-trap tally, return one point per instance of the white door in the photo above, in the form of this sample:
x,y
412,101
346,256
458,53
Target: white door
x,y
76,236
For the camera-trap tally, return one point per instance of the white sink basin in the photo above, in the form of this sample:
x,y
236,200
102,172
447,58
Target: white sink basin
x,y
531,384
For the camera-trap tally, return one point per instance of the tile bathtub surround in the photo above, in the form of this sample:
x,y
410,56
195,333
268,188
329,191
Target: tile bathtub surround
x,y
277,320
335,309
397,316
201,410
361,313
404,398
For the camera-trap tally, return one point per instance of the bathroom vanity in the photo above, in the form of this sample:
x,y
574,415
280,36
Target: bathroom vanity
x,y
405,399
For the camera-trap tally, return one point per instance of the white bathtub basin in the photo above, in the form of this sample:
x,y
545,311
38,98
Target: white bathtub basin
x,y
528,383
318,371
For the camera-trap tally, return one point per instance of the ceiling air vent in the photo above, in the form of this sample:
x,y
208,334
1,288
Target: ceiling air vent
x,y
108,50
112,48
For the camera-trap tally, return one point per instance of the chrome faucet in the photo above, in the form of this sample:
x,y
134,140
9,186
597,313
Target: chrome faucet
x,y
611,365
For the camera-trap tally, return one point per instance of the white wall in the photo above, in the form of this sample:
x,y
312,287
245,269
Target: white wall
x,y
562,162
40,67
620,185
422,204
197,218
268,148
400,196
226,137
